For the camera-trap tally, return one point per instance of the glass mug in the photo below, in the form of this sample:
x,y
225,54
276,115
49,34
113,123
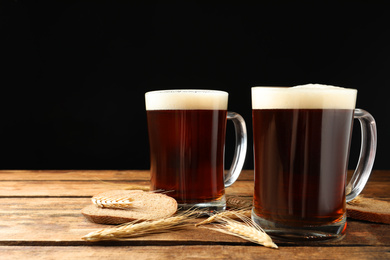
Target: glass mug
x,y
187,130
302,139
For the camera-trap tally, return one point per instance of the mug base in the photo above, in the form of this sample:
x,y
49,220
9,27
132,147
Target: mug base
x,y
209,207
324,233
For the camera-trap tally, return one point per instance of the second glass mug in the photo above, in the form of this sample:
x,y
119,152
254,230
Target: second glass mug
x,y
187,130
302,139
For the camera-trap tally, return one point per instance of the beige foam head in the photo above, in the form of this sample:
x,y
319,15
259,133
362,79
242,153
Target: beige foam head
x,y
303,96
188,99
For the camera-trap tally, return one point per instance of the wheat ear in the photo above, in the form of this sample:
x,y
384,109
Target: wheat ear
x,y
136,228
112,203
226,214
248,230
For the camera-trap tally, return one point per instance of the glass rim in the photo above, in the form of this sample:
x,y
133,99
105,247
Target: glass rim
x,y
194,91
307,87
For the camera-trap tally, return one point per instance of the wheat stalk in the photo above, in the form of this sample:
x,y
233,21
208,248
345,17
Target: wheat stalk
x,y
225,214
248,230
112,203
136,228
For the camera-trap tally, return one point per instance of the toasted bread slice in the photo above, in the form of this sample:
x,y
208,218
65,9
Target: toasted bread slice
x,y
369,209
144,206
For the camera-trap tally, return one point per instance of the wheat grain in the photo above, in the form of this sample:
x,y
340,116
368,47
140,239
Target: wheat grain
x,y
136,228
248,230
112,203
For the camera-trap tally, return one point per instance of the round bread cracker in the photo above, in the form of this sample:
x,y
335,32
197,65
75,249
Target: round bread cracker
x,y
145,206
369,209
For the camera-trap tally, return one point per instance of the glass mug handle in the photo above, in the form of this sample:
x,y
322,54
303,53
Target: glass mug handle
x,y
240,148
367,154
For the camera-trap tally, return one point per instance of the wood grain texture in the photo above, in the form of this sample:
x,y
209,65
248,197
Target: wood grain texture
x,y
40,218
87,175
193,252
80,175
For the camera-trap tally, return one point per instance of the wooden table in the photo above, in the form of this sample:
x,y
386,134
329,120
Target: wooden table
x,y
40,218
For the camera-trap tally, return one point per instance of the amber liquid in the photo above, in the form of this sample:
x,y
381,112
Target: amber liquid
x,y
187,153
300,158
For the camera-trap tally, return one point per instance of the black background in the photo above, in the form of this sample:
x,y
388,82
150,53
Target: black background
x,y
74,73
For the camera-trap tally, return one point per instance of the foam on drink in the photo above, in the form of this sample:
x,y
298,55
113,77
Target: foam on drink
x,y
310,96
189,99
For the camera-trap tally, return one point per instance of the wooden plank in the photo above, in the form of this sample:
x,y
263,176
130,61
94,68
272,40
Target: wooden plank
x,y
63,188
40,219
60,219
89,183
378,185
192,252
377,190
373,189
89,188
81,183
84,175
104,175
7,175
